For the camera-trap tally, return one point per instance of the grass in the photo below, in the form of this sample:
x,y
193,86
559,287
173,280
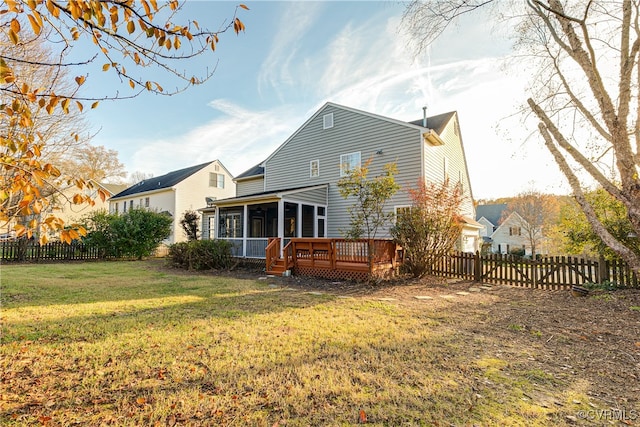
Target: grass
x,y
125,343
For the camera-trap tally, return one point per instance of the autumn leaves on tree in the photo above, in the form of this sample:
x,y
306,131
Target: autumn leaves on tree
x,y
128,36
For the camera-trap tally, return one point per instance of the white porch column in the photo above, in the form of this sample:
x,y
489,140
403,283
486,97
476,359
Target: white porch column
x,y
245,229
299,220
281,224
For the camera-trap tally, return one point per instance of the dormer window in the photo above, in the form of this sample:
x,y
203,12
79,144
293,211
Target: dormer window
x,y
327,121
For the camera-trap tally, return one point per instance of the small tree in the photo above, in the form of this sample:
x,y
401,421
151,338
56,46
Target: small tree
x,y
136,233
368,213
189,223
579,237
100,236
430,227
139,232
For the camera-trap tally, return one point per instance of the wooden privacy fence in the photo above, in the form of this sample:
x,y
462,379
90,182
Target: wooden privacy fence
x,y
31,251
559,272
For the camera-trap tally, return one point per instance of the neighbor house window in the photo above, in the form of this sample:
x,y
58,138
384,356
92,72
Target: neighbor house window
x,y
314,168
515,231
216,180
349,162
146,202
130,204
327,121
401,210
124,207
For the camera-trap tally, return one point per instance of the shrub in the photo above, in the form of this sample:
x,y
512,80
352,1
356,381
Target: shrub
x,y
201,254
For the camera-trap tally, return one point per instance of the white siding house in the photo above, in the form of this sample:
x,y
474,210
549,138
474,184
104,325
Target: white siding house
x,y
505,232
177,192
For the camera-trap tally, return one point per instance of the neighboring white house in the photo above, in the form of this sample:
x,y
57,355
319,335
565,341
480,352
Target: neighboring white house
x,y
62,206
294,192
177,192
505,232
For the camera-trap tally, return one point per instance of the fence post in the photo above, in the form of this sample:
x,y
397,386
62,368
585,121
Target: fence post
x,y
477,267
603,270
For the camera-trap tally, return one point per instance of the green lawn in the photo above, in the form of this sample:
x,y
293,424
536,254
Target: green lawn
x,y
129,343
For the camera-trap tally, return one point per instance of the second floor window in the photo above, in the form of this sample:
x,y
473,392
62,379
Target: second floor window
x,y
515,231
216,180
348,162
314,168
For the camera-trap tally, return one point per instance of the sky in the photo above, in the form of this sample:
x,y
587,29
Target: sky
x,y
294,57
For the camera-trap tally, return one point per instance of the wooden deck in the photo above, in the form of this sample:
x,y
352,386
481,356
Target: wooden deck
x,y
334,258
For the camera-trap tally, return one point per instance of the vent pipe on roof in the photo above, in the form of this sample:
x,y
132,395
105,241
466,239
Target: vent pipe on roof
x,y
424,116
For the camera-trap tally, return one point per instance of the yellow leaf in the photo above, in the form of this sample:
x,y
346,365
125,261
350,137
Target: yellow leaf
x,y
147,10
141,400
105,67
34,24
80,80
244,6
132,84
95,104
80,106
168,44
176,43
148,85
13,36
154,4
131,27
15,25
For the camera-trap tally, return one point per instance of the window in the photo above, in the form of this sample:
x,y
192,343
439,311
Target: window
x,y
230,224
216,180
146,202
327,121
515,231
401,210
116,208
348,162
314,168
130,204
124,207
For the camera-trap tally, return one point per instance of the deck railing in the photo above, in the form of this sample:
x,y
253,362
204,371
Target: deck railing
x,y
337,258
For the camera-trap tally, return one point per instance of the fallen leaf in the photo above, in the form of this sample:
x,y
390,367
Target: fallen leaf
x,y
362,417
141,400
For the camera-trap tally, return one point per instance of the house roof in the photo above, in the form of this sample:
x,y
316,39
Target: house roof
x,y
492,213
113,188
263,195
257,170
437,123
439,120
161,182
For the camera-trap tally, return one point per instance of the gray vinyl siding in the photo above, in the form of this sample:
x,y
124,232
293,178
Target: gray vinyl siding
x,y
453,151
317,196
352,132
249,186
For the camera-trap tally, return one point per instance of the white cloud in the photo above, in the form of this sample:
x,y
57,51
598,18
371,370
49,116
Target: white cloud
x,y
275,70
239,138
